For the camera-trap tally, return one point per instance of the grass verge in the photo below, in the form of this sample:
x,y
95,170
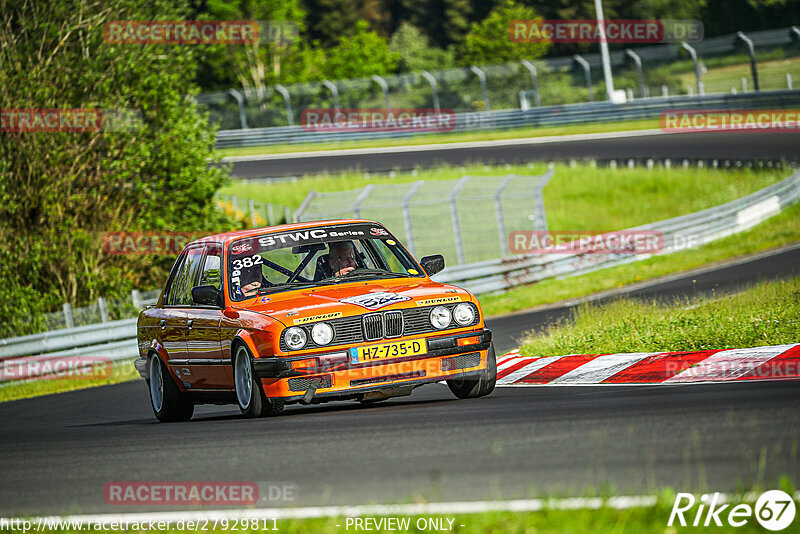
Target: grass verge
x,y
577,198
120,372
780,230
765,314
643,124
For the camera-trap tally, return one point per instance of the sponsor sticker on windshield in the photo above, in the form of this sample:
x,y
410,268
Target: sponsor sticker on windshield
x,y
374,301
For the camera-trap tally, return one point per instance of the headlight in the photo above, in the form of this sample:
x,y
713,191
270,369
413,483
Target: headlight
x,y
440,317
322,333
295,338
463,314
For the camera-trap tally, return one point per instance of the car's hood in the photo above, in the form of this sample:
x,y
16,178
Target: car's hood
x,y
356,298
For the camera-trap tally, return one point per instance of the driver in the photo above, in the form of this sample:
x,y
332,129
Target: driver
x,y
251,280
342,257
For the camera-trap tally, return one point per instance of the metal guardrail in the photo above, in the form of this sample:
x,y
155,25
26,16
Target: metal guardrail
x,y
484,87
703,227
645,108
117,340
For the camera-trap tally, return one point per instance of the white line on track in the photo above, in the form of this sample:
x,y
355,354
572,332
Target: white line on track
x,y
462,507
458,507
446,146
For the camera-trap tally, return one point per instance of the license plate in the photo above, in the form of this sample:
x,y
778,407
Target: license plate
x,y
385,351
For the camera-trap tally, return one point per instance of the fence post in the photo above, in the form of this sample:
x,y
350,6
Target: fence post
x,y
334,91
434,88
498,208
535,79
101,305
253,220
459,241
270,215
384,87
68,315
136,297
239,102
407,215
788,81
587,72
693,53
287,213
287,101
234,204
304,205
360,199
752,51
638,62
482,77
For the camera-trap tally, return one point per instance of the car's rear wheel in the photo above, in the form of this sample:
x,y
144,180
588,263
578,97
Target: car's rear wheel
x,y
168,403
470,388
249,393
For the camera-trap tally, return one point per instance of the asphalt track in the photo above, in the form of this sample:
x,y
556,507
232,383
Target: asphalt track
x,y
58,452
694,146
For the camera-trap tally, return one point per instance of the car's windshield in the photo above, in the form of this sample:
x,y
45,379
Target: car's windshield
x,y
281,261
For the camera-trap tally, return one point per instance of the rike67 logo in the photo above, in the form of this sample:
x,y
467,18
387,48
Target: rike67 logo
x,y
774,510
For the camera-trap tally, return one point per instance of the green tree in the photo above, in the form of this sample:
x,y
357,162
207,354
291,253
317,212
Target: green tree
x,y
415,52
363,54
278,56
488,41
61,191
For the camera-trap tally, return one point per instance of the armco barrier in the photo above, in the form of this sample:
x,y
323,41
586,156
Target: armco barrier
x,y
117,341
704,226
645,108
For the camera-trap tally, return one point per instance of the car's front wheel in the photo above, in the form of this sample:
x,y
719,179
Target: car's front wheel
x,y
249,393
470,388
168,403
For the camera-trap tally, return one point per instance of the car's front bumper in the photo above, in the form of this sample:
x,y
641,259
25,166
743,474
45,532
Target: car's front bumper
x,y
335,376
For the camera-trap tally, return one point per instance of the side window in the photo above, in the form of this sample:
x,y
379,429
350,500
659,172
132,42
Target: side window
x,y
181,291
169,297
212,267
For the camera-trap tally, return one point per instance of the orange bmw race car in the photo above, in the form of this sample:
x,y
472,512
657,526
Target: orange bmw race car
x,y
308,312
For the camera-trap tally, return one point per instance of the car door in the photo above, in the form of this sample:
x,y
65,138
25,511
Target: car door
x,y
204,355
177,305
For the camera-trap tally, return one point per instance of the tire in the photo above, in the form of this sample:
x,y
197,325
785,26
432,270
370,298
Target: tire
x,y
249,392
169,404
471,388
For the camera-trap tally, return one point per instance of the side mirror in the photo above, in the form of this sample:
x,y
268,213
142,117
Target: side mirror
x,y
432,264
207,296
